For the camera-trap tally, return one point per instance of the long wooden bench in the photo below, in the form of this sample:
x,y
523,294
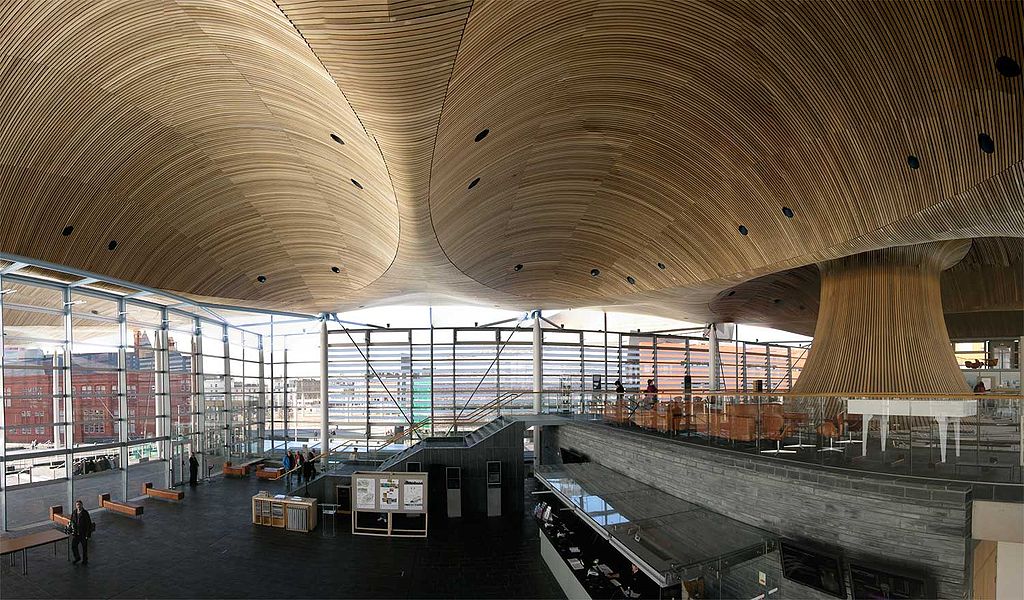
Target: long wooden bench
x,y
57,515
132,510
269,472
149,490
241,470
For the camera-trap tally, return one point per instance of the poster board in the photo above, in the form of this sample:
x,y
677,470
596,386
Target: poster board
x,y
390,504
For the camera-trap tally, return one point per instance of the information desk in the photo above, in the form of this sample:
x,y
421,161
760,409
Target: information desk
x,y
293,513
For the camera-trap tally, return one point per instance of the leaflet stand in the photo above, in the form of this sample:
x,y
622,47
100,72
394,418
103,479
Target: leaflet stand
x,y
390,504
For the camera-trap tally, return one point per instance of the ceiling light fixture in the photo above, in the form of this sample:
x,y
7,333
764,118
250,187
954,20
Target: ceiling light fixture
x,y
481,135
517,268
630,280
913,162
261,278
1007,67
595,272
67,230
788,212
356,183
336,269
472,184
743,230
661,266
986,143
112,245
337,138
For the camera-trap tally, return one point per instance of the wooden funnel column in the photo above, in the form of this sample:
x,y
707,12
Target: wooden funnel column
x,y
880,325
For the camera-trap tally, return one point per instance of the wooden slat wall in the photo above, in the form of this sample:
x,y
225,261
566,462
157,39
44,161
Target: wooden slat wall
x,y
880,327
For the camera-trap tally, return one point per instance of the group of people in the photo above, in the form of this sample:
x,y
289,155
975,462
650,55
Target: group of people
x,y
650,393
305,465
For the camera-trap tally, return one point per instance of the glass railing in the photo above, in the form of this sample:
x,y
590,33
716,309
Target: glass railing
x,y
955,437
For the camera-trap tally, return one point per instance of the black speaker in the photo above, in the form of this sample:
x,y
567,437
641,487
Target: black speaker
x,y
758,385
688,383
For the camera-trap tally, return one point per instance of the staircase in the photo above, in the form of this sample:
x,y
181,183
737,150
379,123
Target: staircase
x,y
461,441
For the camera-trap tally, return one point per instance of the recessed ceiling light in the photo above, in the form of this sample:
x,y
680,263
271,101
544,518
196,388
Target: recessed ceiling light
x,y
67,230
1007,67
112,245
261,278
356,183
661,266
337,138
913,162
517,268
985,142
777,300
743,230
595,272
788,212
731,293
481,135
630,280
802,307
472,184
336,269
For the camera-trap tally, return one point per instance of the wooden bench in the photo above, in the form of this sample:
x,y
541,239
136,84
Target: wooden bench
x,y
241,470
23,543
57,515
149,490
269,472
132,510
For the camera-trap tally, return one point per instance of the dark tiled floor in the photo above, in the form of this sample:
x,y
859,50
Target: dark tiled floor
x,y
206,547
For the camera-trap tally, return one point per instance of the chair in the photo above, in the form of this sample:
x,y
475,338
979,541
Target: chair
x,y
831,429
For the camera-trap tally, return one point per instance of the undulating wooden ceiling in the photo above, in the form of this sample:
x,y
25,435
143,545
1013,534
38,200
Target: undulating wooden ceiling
x,y
650,154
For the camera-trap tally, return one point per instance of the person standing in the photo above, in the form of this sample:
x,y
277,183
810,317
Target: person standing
x,y
651,392
80,527
286,462
300,464
193,469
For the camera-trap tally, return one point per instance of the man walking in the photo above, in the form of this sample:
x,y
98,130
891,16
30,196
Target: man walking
x,y
81,531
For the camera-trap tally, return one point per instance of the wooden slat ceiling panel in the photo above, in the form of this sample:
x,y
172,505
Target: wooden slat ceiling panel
x,y
717,115
196,134
623,134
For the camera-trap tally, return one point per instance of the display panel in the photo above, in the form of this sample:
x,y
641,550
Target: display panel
x,y
816,569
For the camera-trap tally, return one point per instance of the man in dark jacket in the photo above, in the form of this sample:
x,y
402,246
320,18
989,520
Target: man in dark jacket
x,y
81,531
193,469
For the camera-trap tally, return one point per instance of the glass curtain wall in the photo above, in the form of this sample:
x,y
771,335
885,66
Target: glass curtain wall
x,y
383,381
105,388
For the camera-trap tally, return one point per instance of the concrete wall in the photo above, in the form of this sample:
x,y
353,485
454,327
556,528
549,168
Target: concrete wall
x,y
907,524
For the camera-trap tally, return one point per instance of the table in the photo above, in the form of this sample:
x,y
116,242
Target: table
x,y
23,543
940,410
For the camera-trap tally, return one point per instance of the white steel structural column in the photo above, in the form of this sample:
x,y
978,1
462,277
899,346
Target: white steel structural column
x,y
713,357
538,380
325,443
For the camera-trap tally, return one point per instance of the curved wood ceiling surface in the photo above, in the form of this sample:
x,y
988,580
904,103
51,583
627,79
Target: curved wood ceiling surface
x,y
621,135
196,135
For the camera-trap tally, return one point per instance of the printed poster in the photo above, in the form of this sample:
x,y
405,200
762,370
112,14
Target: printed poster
x,y
389,494
412,495
365,493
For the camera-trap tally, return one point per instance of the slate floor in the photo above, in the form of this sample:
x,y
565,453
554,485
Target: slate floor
x,y
206,547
